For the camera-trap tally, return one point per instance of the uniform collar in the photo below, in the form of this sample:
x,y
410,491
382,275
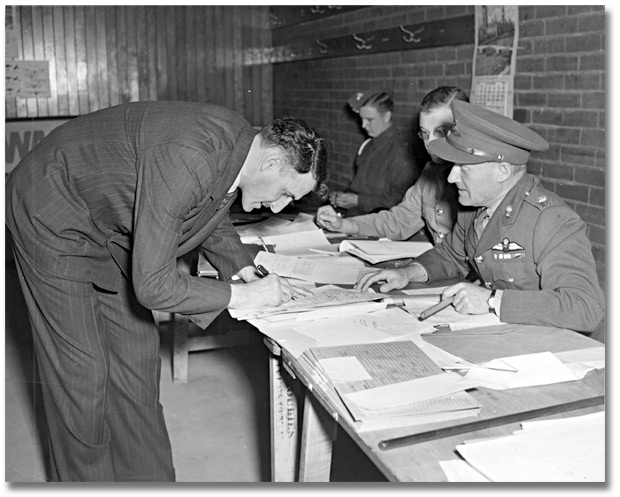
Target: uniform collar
x,y
506,213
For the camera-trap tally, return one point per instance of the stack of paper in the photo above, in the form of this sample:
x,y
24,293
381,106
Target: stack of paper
x,y
560,450
317,271
375,251
392,384
327,296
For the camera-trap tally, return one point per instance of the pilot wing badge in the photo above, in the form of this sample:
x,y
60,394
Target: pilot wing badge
x,y
508,250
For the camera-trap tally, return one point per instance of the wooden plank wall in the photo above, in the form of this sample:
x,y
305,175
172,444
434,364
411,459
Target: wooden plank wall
x,y
106,55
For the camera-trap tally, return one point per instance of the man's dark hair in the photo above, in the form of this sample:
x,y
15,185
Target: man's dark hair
x,y
305,149
443,95
383,102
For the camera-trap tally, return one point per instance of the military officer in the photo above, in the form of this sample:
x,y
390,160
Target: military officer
x,y
528,249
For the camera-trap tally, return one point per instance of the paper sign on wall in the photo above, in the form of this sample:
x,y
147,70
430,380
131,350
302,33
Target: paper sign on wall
x,y
495,52
27,79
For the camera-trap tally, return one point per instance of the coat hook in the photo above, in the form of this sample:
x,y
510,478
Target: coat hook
x,y
323,48
362,44
411,35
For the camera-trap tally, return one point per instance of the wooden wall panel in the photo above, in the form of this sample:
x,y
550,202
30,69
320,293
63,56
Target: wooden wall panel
x,y
101,56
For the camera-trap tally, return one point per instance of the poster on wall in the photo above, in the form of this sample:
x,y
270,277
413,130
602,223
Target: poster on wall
x,y
495,53
21,137
11,34
27,79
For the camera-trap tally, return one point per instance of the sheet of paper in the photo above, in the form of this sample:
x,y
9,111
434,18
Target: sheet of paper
x,y
274,225
411,391
409,419
438,290
297,243
375,251
450,317
521,371
309,269
458,402
344,331
288,339
322,297
593,357
342,369
458,471
561,450
271,226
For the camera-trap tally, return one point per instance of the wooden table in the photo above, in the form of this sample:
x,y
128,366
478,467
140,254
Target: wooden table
x,y
305,416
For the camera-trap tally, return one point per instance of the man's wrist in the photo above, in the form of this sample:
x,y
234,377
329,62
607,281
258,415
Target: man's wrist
x,y
350,227
495,301
417,273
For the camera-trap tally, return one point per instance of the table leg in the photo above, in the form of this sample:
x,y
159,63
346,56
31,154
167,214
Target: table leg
x,y
284,430
319,433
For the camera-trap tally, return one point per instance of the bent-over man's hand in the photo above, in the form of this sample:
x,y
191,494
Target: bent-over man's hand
x,y
270,291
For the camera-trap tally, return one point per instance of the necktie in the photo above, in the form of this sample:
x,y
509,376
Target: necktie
x,y
482,218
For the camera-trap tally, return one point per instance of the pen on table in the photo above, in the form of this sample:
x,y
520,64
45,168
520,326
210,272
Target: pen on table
x,y
262,270
436,308
264,246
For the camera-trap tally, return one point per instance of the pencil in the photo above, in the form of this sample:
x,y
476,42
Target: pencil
x,y
436,308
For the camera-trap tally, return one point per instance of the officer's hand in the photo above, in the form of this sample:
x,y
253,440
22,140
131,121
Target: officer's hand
x,y
328,218
333,198
347,200
468,298
270,291
392,278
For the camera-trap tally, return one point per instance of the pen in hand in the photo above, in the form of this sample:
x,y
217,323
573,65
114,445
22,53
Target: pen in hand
x,y
261,269
436,308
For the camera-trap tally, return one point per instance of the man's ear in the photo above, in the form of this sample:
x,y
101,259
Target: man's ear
x,y
504,172
270,160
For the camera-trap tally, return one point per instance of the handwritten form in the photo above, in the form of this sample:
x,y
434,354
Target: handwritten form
x,y
324,296
309,269
560,450
389,364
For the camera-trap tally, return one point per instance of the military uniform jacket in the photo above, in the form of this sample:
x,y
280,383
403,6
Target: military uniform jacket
x,y
134,187
430,202
534,248
384,171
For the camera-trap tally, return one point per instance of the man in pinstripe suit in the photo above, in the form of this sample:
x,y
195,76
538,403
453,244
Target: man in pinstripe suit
x,y
99,212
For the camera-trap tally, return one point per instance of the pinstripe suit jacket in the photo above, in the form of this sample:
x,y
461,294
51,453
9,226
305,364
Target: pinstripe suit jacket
x,y
134,187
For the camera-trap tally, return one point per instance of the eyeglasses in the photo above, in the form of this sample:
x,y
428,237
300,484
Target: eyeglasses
x,y
440,132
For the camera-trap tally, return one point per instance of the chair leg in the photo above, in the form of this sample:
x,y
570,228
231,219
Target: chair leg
x,y
180,348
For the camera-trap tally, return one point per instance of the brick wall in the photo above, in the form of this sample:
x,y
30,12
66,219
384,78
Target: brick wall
x,y
559,92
